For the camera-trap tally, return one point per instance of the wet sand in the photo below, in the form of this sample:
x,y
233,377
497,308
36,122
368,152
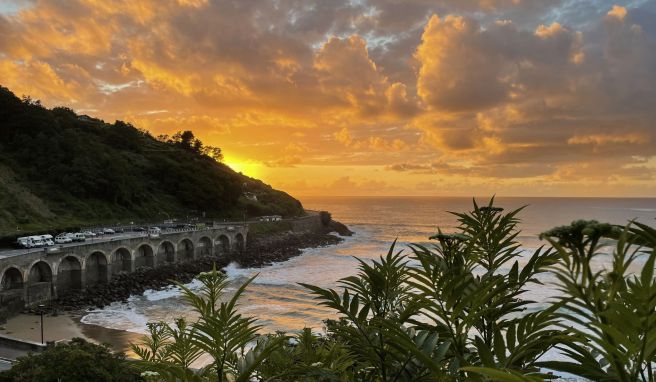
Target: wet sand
x,y
66,326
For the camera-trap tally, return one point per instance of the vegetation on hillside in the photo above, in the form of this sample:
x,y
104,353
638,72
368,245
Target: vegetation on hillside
x,y
59,169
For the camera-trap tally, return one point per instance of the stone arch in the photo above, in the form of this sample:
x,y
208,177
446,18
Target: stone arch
x,y
239,242
39,282
69,273
204,246
40,272
222,244
12,278
166,253
185,250
96,268
121,261
144,256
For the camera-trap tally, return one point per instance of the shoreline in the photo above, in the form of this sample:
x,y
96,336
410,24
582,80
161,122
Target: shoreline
x,y
262,250
64,321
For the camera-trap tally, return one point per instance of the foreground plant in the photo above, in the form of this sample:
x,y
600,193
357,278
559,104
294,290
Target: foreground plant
x,y
76,361
456,313
470,286
611,313
375,308
220,332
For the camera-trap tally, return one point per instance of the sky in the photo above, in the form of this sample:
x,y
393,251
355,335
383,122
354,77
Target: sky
x,y
364,97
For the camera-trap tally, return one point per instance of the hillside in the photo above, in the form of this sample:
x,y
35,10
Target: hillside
x,y
61,170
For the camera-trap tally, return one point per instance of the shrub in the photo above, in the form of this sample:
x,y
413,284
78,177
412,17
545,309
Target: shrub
x,y
77,361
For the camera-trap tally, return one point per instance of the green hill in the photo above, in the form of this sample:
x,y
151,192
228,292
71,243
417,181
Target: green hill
x,y
60,170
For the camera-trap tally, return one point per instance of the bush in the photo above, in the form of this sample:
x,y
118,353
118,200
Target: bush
x,y
77,361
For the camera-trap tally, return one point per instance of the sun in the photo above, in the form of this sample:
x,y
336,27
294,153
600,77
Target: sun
x,y
246,167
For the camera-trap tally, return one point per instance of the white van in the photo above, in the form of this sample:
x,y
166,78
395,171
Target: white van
x,y
25,242
154,232
47,239
38,241
63,239
76,236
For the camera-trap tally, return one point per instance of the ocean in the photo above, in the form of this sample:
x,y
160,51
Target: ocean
x,y
280,304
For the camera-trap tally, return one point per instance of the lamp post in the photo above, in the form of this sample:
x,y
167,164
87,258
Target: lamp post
x,y
41,308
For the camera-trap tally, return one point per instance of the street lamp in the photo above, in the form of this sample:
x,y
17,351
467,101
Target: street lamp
x,y
41,309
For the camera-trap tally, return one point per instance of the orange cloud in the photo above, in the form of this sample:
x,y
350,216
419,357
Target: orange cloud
x,y
482,96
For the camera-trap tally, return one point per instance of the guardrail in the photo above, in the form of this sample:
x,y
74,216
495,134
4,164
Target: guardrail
x,y
116,237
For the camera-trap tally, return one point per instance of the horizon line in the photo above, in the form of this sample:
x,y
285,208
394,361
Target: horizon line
x,y
470,197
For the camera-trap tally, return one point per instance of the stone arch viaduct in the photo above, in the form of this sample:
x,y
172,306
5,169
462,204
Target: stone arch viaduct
x,y
37,276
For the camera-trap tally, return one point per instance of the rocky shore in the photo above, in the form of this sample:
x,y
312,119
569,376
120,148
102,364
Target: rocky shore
x,y
262,250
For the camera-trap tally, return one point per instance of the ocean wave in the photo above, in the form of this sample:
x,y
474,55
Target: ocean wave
x,y
118,316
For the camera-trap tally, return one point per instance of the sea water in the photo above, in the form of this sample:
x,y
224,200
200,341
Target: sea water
x,y
281,304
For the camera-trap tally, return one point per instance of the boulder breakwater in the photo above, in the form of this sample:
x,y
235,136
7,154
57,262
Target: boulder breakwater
x,y
262,249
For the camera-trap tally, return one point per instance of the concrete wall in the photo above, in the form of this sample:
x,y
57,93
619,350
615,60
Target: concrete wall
x,y
21,345
38,276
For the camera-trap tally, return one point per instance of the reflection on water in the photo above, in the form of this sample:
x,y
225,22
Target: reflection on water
x,y
280,303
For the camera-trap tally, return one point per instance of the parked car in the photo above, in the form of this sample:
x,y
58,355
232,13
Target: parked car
x,y
154,231
119,230
62,239
88,233
139,229
108,231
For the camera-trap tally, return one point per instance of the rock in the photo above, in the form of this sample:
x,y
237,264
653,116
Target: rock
x,y
262,250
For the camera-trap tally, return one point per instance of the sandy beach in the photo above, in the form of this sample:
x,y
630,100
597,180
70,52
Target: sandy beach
x,y
64,327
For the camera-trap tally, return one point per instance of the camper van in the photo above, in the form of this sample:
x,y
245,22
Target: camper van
x,y
47,240
24,242
38,241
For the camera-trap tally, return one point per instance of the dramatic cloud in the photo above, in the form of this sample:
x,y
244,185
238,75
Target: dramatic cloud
x,y
375,96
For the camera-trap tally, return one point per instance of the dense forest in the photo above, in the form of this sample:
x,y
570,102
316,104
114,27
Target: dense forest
x,y
60,170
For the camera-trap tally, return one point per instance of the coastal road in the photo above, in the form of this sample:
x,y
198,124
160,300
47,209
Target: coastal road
x,y
98,239
11,252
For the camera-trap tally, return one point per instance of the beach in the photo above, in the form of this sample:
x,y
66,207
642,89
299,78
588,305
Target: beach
x,y
62,327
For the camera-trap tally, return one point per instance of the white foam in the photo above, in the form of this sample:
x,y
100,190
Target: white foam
x,y
158,295
118,316
234,272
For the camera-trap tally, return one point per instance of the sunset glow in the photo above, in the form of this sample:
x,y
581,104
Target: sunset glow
x,y
372,97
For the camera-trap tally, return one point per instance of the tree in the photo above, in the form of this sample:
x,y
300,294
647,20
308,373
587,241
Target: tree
x,y
77,361
187,140
213,152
